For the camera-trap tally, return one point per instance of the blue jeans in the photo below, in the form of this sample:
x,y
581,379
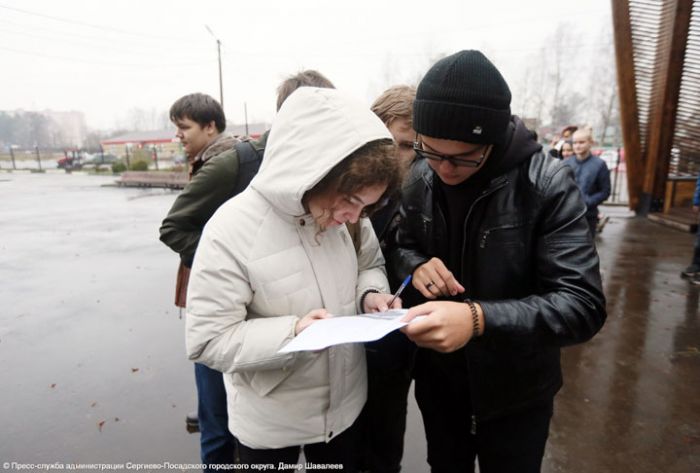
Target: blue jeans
x,y
216,442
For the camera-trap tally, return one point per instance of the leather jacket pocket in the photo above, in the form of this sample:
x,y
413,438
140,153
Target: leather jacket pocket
x,y
509,235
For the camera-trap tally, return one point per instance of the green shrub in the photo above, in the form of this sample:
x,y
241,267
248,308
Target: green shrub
x,y
138,165
118,167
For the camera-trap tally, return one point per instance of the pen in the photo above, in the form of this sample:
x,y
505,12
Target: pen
x,y
400,290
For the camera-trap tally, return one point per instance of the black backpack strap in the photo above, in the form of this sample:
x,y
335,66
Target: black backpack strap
x,y
249,160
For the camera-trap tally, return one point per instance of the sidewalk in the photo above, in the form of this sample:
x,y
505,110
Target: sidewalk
x,y
631,396
94,369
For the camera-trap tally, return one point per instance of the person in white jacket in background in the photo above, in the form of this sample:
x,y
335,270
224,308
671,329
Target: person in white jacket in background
x,y
278,257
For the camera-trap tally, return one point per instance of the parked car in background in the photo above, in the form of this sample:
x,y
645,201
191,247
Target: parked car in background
x,y
99,158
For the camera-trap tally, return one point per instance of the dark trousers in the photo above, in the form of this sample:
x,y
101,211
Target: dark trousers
x,y
217,445
339,451
514,443
382,422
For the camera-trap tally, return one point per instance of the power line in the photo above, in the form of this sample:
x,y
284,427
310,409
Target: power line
x,y
91,25
109,40
109,45
104,63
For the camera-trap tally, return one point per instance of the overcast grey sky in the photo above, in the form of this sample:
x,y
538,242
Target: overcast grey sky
x,y
107,57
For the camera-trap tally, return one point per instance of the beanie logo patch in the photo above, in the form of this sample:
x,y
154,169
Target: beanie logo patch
x,y
477,130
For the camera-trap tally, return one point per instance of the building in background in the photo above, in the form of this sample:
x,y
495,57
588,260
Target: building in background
x,y
163,141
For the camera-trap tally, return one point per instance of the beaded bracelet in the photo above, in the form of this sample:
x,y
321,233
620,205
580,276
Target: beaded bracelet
x,y
475,318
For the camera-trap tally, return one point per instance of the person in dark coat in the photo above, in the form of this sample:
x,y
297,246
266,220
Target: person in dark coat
x,y
494,233
591,174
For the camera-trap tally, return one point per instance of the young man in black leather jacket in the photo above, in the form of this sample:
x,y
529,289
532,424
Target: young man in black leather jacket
x,y
495,236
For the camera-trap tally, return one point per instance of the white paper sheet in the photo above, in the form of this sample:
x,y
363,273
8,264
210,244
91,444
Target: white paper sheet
x,y
346,329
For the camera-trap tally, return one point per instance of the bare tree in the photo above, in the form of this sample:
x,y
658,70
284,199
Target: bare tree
x,y
93,140
561,107
563,84
603,96
391,75
141,119
532,93
137,119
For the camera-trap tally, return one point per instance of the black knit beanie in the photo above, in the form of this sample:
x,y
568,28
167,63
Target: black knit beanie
x,y
463,97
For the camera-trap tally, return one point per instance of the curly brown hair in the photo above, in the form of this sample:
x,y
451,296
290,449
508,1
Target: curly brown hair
x,y
373,164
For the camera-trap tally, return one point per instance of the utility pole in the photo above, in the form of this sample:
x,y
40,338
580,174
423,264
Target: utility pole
x,y
38,156
245,112
155,155
218,51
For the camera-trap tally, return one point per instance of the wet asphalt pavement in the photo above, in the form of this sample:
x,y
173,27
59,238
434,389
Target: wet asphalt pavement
x,y
92,356
91,347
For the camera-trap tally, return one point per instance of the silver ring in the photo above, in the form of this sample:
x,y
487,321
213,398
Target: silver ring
x,y
429,285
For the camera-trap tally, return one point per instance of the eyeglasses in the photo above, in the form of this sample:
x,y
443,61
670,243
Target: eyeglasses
x,y
455,160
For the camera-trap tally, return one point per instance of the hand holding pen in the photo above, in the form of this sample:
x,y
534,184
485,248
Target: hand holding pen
x,y
400,290
381,302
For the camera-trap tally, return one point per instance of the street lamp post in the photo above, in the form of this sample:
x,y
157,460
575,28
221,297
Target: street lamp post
x,y
218,51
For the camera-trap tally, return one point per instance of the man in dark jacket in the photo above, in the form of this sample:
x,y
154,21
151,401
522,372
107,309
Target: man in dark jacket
x,y
494,233
200,123
591,174
215,174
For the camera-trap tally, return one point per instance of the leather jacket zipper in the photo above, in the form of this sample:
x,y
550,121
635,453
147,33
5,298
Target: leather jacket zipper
x,y
482,244
484,236
484,194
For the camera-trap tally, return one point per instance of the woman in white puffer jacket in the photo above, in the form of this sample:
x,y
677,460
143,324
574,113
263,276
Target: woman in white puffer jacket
x,y
277,257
